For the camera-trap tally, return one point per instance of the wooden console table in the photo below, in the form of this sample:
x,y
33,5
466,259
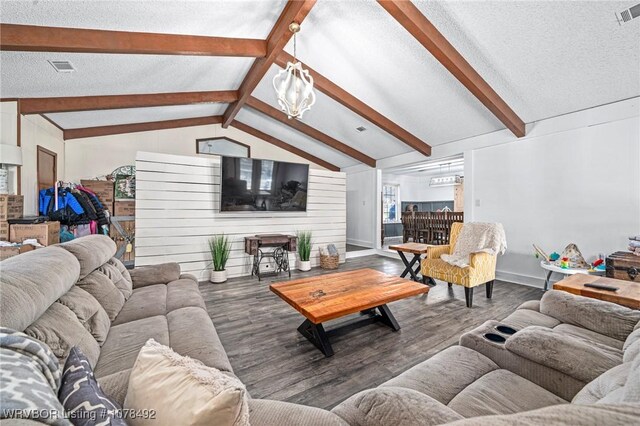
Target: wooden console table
x,y
628,293
280,246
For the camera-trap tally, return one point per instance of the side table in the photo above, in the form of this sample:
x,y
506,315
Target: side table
x,y
551,268
417,250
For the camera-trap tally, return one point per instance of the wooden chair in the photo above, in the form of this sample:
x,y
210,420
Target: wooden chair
x,y
481,269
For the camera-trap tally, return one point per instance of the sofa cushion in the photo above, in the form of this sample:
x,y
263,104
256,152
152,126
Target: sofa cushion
x,y
60,329
573,356
144,302
183,293
91,251
113,272
602,317
115,385
632,386
105,291
182,390
29,287
124,341
501,392
603,385
192,333
263,412
562,415
461,367
589,335
523,318
90,313
533,305
631,346
394,406
155,274
81,396
159,299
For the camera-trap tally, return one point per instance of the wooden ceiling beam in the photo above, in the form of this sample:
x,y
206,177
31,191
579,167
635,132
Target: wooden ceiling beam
x,y
90,132
340,95
34,38
93,103
294,11
298,125
280,144
410,17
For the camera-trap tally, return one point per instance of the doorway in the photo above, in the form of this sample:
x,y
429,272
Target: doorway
x,y
47,163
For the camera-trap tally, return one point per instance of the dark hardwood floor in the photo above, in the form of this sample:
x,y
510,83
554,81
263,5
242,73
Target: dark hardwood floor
x,y
258,331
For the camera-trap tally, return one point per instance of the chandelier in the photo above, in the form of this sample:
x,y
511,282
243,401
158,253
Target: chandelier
x,y
294,85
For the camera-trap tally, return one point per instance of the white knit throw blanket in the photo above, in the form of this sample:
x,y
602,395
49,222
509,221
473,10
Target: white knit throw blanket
x,y
477,237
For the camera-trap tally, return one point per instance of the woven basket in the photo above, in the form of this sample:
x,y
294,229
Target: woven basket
x,y
329,262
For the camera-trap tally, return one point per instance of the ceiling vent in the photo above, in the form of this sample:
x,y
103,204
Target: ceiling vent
x,y
62,66
628,14
361,129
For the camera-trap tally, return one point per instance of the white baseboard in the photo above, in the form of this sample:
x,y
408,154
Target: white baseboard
x,y
522,279
360,253
360,243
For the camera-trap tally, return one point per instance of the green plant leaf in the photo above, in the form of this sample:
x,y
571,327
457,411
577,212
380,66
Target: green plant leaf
x,y
220,248
304,245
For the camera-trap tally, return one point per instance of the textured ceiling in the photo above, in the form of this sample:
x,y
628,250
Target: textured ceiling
x,y
286,134
75,120
28,74
228,18
544,58
339,122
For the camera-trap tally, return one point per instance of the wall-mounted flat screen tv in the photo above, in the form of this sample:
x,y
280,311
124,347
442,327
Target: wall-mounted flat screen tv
x,y
263,185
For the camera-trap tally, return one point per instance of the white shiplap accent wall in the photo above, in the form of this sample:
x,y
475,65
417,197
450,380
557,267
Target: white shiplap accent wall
x,y
177,211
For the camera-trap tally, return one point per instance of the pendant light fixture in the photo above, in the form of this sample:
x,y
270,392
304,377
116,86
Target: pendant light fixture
x,y
294,85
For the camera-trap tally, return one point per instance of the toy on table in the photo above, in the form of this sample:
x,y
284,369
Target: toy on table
x,y
564,263
554,256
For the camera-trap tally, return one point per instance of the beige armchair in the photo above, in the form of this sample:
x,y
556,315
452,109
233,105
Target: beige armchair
x,y
481,269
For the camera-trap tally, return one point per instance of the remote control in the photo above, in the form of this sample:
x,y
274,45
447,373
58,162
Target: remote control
x,y
602,287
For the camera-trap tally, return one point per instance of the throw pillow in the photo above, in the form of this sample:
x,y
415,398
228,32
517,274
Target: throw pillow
x,y
29,381
81,396
175,389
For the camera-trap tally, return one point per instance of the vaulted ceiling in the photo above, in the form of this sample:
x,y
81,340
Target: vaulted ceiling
x,y
541,58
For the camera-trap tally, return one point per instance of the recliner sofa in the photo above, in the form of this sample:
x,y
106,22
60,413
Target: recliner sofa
x,y
77,294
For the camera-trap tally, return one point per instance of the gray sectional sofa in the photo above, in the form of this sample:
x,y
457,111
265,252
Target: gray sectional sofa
x,y
572,361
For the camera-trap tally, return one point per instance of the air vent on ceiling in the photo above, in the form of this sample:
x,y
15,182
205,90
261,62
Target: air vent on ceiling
x,y
628,14
62,66
361,128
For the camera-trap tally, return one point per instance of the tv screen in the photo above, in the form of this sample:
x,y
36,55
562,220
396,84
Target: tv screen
x,y
263,185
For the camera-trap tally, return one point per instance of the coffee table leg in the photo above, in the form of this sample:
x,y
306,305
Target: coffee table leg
x,y
386,317
315,334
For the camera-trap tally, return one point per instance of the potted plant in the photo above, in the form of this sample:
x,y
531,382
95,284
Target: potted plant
x,y
304,250
220,247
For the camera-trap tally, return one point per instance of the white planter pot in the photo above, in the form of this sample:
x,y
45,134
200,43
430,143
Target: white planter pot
x,y
304,265
218,276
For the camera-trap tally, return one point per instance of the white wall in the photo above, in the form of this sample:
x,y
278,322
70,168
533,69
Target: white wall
x,y
577,186
416,188
177,211
362,208
9,136
35,131
98,156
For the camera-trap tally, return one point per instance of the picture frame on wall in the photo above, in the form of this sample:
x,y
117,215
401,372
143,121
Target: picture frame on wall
x,y
222,146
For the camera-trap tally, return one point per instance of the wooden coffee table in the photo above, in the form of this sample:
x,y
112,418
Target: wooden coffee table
x,y
326,297
628,293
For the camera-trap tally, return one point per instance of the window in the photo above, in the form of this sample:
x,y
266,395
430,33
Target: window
x,y
390,203
222,146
